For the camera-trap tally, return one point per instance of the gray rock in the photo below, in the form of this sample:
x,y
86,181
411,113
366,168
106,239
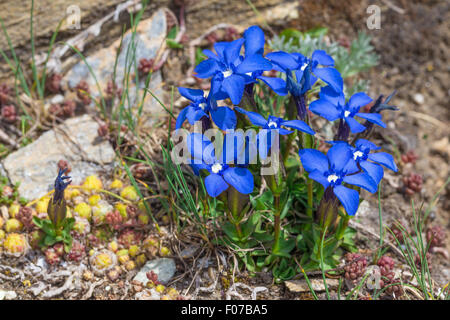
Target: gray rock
x,y
76,140
7,295
164,267
150,36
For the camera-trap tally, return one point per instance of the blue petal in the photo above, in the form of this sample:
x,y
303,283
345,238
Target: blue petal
x,y
196,167
299,125
253,63
322,58
234,87
194,114
233,150
220,49
210,54
339,155
232,50
283,59
201,148
330,76
329,94
362,144
313,160
215,185
206,69
362,180
385,159
349,199
240,178
276,84
224,118
355,126
191,94
372,117
325,109
255,118
254,41
375,171
282,131
181,117
319,177
358,100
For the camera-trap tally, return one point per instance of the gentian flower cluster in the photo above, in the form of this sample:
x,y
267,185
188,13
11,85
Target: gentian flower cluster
x,y
233,69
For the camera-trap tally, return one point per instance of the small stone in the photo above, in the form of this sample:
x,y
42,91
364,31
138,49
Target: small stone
x,y
419,98
164,268
298,286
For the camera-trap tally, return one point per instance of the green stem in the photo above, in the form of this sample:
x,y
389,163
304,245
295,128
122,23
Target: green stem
x,y
309,209
277,224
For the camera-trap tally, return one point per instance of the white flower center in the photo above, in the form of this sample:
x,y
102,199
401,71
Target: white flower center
x,y
227,73
249,74
216,168
202,105
303,67
272,124
357,154
332,178
346,113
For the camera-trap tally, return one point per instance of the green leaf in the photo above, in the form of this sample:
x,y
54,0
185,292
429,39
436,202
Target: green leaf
x,y
173,44
230,231
262,236
249,226
317,32
49,240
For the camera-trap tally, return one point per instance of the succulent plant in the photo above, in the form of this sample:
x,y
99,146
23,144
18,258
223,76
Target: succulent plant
x,y
386,265
81,226
94,199
83,210
129,237
129,193
77,252
9,113
13,225
15,244
114,219
13,210
92,183
436,236
53,83
51,256
103,261
116,184
409,157
25,216
412,183
83,91
355,267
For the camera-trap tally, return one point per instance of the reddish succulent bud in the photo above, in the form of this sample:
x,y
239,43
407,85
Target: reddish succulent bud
x,y
83,92
231,34
69,107
56,110
397,231
114,219
436,236
64,165
355,267
5,92
59,248
111,89
103,130
145,66
386,265
391,289
25,215
77,252
153,277
410,157
51,256
412,183
53,83
132,211
9,113
128,238
212,38
344,41
93,240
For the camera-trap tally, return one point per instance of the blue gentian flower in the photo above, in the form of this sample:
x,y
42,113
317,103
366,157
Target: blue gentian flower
x,y
202,106
60,185
362,154
229,71
306,71
331,105
221,174
333,170
57,208
273,123
254,44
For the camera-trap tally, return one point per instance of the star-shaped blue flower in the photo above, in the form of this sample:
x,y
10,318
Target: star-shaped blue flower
x,y
202,106
306,71
333,170
370,162
331,105
221,174
230,72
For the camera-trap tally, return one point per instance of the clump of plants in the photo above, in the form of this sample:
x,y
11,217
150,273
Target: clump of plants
x,y
284,195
